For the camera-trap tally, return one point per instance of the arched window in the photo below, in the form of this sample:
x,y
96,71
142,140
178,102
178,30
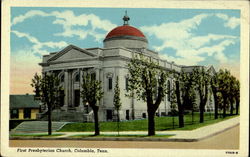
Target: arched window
x,y
168,86
93,76
62,78
126,83
77,77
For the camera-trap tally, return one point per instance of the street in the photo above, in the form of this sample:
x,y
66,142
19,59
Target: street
x,y
225,140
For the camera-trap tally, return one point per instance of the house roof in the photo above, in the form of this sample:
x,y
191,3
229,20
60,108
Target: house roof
x,y
23,101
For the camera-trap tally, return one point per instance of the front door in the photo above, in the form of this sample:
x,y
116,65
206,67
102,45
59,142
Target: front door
x,y
127,114
109,115
77,98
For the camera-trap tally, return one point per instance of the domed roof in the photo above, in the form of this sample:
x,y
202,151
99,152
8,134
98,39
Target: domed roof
x,y
125,30
125,36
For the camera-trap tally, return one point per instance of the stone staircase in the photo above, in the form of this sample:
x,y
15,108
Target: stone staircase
x,y
37,126
64,116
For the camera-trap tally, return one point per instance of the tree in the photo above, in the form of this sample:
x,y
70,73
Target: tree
x,y
91,93
224,87
192,101
232,88
215,89
47,90
184,93
173,104
237,95
202,81
234,93
147,81
117,101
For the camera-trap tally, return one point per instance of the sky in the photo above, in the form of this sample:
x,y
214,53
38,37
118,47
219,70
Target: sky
x,y
185,36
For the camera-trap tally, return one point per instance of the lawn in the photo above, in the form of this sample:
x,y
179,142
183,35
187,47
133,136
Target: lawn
x,y
161,123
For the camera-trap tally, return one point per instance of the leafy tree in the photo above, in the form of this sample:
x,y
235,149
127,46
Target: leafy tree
x,y
192,101
47,90
232,81
215,89
224,87
147,81
202,82
237,95
173,104
117,101
234,94
185,96
91,93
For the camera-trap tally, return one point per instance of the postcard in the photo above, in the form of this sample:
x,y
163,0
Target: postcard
x,y
125,78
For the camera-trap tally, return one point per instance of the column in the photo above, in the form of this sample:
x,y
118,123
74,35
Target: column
x,y
102,78
80,83
81,106
70,88
97,73
66,92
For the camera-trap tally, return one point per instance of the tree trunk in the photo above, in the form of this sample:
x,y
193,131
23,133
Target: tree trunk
x,y
192,116
215,106
151,123
231,107
118,121
237,106
95,110
49,120
181,119
201,112
224,107
180,106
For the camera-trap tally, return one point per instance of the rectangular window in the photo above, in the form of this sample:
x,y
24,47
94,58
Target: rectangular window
x,y
14,113
110,83
126,84
127,114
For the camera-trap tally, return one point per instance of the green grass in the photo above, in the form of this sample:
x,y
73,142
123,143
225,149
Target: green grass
x,y
161,123
36,135
125,136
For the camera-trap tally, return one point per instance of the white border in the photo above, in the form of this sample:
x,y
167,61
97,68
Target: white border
x,y
244,73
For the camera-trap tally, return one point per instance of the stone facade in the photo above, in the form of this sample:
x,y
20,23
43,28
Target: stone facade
x,y
106,63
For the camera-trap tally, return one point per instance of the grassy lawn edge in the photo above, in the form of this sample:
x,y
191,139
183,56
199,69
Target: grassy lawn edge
x,y
161,124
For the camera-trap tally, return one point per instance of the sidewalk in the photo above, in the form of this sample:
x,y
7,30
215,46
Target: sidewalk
x,y
184,136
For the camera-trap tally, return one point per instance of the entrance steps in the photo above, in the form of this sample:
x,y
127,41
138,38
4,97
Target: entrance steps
x,y
37,126
65,116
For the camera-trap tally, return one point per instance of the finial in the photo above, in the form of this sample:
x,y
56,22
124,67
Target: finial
x,y
126,18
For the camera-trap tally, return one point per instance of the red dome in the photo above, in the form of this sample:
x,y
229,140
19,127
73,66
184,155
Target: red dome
x,y
125,30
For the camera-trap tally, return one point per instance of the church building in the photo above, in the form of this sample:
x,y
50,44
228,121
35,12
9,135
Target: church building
x,y
106,63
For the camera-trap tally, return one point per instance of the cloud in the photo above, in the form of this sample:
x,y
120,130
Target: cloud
x,y
28,15
38,47
231,22
189,47
72,24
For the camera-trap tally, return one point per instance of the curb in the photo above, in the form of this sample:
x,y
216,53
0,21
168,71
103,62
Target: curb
x,y
107,139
